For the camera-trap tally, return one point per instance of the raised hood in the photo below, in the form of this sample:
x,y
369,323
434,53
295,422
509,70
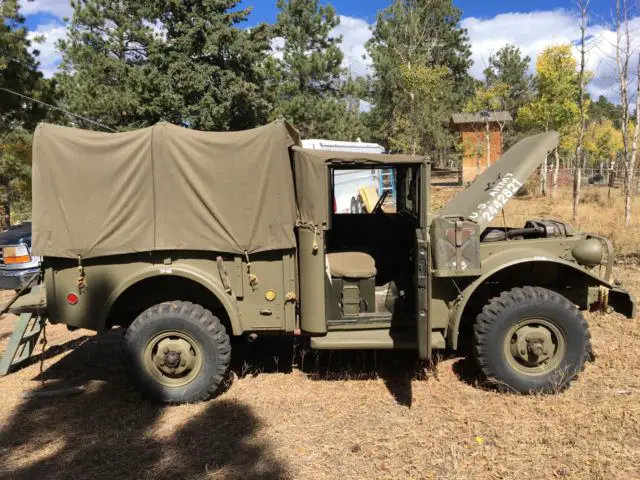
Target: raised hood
x,y
489,193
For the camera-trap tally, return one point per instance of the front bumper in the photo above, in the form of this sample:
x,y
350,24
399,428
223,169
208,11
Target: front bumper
x,y
16,279
622,302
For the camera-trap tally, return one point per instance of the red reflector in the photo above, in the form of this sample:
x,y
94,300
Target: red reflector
x,y
72,299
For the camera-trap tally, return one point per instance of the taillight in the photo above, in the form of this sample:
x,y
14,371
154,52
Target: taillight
x,y
14,255
335,205
72,299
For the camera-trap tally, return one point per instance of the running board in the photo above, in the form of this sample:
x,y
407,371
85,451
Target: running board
x,y
372,339
364,339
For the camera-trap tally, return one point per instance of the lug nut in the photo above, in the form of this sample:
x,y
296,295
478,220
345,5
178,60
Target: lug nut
x,y
165,350
183,363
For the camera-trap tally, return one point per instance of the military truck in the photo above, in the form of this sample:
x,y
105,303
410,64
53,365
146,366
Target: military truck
x,y
186,238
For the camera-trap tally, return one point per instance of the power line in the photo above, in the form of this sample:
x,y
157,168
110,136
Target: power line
x,y
58,108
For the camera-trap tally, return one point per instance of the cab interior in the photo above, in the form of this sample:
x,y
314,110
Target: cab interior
x,y
369,254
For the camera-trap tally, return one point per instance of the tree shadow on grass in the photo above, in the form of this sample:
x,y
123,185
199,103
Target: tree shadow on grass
x,y
52,351
111,432
397,369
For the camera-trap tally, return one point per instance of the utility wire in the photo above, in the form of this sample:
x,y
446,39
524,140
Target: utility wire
x,y
58,108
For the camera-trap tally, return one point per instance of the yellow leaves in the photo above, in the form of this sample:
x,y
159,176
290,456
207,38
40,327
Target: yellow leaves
x,y
424,81
479,440
554,60
491,98
556,106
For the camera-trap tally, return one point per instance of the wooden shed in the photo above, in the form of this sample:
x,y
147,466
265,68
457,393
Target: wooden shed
x,y
474,128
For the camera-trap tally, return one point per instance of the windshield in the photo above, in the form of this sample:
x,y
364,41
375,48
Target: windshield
x,y
392,189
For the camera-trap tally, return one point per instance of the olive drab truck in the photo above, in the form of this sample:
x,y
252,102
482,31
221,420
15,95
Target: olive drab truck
x,y
186,238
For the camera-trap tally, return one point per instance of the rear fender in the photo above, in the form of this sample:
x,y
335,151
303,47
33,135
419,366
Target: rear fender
x,y
210,283
619,299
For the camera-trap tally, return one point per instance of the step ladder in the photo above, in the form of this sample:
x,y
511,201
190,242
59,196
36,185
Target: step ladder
x,y
387,182
23,341
32,316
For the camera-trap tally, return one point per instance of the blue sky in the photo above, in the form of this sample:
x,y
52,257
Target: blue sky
x,y
531,25
265,10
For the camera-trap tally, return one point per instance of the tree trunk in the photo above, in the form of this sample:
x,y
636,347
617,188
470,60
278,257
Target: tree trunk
x,y
488,139
612,176
6,216
556,170
577,179
543,177
577,171
629,187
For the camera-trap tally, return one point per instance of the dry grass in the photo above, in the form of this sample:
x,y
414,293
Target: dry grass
x,y
357,415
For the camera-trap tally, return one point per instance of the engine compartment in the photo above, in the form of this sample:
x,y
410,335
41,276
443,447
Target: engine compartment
x,y
537,228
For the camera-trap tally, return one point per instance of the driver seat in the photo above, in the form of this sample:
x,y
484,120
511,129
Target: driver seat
x,y
351,265
353,281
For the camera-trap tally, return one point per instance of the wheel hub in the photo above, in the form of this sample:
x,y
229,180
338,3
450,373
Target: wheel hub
x,y
533,344
174,357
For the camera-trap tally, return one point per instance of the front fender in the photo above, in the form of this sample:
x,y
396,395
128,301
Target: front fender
x,y
210,283
619,299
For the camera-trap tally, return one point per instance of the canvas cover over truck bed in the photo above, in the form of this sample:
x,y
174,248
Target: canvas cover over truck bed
x,y
162,188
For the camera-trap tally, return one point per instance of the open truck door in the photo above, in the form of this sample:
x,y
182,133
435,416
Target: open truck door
x,y
422,261
423,294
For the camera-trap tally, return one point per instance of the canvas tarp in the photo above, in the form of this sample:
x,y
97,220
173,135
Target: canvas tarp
x,y
312,177
162,188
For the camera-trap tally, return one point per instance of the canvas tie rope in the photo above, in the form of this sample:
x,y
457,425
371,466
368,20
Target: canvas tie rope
x,y
81,281
315,239
253,278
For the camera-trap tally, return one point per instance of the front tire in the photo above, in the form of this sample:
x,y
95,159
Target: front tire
x,y
531,340
178,352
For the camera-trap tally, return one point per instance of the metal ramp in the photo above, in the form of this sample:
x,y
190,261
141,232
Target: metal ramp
x,y
32,316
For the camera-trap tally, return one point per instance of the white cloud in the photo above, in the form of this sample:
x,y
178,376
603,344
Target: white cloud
x,y
57,8
49,54
355,34
533,32
277,44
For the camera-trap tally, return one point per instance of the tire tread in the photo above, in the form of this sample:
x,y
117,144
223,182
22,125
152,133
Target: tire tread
x,y
206,319
491,313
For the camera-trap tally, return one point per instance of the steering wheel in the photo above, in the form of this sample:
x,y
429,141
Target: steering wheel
x,y
378,207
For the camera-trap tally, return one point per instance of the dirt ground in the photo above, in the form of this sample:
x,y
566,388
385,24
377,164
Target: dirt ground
x,y
346,415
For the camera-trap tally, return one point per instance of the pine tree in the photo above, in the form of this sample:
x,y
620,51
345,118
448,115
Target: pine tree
x,y
18,115
420,58
215,71
132,63
105,64
312,89
18,72
509,68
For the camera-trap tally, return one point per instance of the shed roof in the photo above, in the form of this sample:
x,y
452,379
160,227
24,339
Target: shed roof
x,y
459,118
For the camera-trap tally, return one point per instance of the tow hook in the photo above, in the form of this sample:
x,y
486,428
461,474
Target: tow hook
x,y
603,299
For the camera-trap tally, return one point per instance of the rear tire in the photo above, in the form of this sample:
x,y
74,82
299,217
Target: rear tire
x,y
178,352
531,340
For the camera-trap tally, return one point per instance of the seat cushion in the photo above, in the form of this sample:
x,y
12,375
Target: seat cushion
x,y
351,265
